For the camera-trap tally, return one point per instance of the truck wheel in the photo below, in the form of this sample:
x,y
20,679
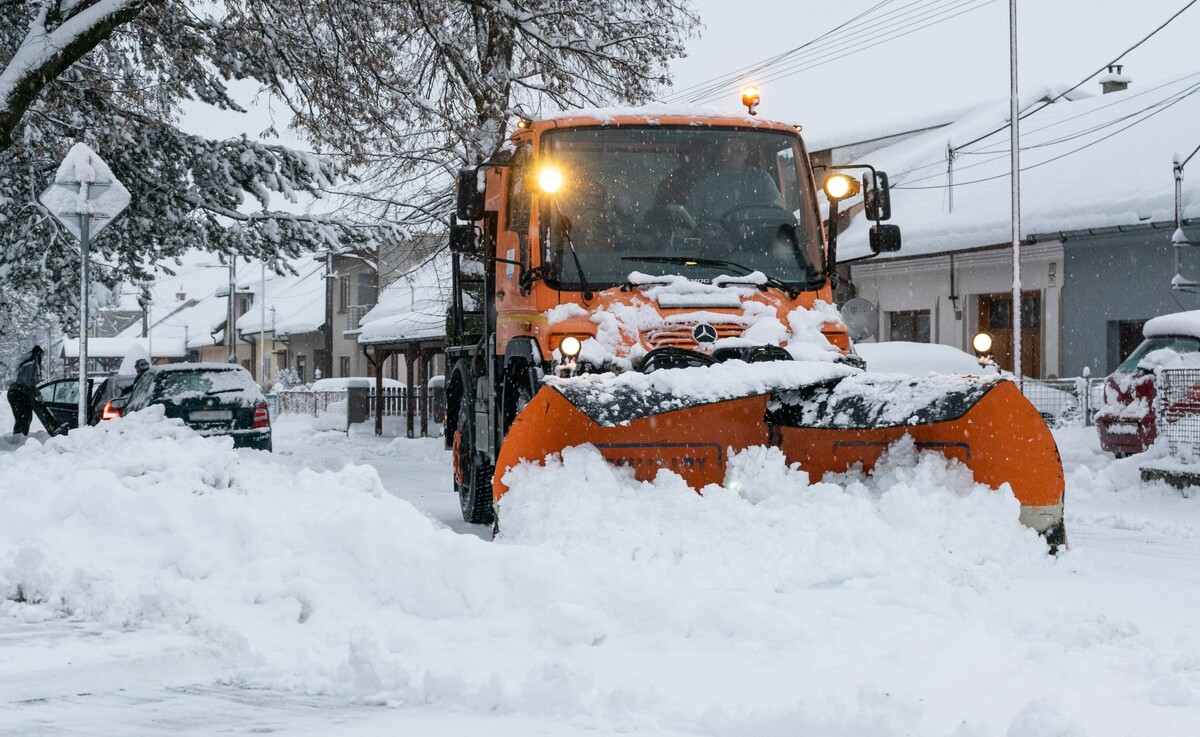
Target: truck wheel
x,y
472,477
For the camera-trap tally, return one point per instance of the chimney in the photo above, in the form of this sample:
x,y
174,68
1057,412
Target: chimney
x,y
1114,80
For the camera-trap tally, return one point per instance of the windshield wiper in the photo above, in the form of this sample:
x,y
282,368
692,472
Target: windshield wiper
x,y
770,281
583,282
221,391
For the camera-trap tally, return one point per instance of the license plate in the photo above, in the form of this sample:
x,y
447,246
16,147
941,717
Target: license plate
x,y
211,415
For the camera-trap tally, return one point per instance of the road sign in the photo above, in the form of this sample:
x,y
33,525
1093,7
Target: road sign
x,y
85,197
84,185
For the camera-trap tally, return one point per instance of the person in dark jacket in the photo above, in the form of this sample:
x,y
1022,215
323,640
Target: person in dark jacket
x,y
22,392
24,398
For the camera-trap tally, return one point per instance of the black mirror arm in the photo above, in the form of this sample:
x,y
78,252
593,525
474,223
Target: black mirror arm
x,y
831,246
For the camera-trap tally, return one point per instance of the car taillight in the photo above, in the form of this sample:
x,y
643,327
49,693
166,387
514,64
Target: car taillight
x,y
262,418
108,413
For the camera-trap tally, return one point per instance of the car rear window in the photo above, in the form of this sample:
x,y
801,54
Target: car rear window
x,y
234,385
1179,344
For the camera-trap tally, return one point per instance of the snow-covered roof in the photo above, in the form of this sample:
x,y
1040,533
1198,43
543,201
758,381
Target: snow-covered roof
x,y
1089,163
1176,323
413,307
162,347
295,303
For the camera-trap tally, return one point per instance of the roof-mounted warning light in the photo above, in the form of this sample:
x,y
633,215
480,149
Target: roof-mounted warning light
x,y
750,98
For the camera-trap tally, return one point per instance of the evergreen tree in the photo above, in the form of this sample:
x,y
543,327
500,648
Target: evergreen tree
x,y
401,92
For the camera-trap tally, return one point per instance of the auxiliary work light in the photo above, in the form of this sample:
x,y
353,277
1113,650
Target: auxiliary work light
x,y
840,186
982,343
570,346
550,179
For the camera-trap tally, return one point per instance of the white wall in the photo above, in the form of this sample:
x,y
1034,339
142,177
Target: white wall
x,y
923,283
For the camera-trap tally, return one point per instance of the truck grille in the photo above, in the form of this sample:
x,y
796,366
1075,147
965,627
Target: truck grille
x,y
679,335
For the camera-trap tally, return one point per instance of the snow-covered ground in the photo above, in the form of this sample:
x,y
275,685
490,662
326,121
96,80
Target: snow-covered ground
x,y
153,582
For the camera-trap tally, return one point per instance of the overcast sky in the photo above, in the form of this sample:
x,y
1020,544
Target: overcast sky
x,y
959,61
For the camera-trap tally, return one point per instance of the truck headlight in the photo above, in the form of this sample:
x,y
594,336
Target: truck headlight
x,y
570,346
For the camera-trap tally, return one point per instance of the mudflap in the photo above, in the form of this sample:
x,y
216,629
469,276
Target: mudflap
x,y
828,427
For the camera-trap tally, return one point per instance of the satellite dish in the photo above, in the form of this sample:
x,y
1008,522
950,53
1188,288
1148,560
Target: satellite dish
x,y
861,318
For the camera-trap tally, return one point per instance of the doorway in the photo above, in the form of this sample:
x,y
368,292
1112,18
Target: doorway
x,y
995,317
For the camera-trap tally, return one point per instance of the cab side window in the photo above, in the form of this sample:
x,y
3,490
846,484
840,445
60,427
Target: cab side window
x,y
520,199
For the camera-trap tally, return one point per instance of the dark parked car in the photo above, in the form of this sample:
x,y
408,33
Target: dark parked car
x,y
210,398
61,398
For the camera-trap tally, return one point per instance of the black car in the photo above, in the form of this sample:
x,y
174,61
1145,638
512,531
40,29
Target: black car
x,y
61,398
210,398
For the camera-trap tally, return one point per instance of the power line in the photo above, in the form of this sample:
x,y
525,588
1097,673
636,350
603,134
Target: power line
x,y
1189,158
1085,79
736,74
880,30
927,21
1178,98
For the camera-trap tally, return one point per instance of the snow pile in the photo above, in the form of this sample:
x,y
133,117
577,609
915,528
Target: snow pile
x,y
599,589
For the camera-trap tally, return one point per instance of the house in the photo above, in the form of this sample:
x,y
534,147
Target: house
x,y
1097,216
106,354
405,334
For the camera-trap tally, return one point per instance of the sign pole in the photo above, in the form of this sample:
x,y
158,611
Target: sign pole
x,y
84,198
84,258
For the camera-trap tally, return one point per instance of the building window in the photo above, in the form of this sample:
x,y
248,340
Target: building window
x,y
343,293
1129,337
343,365
366,288
909,325
301,372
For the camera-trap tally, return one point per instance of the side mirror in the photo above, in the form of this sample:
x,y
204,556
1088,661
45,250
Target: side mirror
x,y
885,238
462,237
119,403
470,202
877,198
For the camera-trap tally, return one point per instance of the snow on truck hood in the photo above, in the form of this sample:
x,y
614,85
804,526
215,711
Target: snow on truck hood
x,y
631,324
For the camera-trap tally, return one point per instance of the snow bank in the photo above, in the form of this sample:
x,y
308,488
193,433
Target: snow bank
x,y
612,603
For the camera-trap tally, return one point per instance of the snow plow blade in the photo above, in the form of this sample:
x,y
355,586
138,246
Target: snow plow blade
x,y
826,427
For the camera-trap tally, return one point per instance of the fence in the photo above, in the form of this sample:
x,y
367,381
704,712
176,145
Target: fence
x,y
311,403
392,403
1177,411
1065,402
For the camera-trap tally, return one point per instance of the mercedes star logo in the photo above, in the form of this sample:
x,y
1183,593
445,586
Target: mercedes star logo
x,y
704,333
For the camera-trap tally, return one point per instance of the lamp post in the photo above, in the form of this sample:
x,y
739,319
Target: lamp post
x,y
1015,163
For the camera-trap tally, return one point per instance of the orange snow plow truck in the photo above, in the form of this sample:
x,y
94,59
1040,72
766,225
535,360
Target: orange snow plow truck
x,y
660,285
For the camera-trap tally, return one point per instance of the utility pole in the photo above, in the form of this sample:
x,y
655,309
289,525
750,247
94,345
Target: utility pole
x,y
230,326
262,325
327,368
1015,162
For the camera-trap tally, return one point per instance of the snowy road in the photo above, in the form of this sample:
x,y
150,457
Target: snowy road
x,y
200,590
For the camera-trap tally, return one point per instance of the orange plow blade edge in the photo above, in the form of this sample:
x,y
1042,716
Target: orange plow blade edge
x,y
985,423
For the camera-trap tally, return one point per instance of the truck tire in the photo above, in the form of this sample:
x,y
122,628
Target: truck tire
x,y
472,475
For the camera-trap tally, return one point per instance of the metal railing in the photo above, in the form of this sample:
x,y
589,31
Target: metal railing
x,y
392,403
1065,402
354,315
310,403
1177,411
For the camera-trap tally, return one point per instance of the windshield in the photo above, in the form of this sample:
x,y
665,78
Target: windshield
x,y
701,202
1175,343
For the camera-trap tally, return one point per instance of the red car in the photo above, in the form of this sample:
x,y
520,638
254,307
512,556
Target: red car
x,y
1126,421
